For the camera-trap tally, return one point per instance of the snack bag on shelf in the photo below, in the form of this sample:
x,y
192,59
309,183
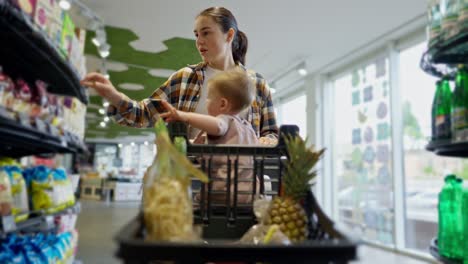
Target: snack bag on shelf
x,y
63,189
6,200
167,203
41,184
7,89
18,186
23,96
40,107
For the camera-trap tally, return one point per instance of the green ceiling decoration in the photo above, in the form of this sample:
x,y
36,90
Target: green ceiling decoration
x,y
179,53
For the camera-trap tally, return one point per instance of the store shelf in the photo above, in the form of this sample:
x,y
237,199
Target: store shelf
x,y
434,250
18,140
451,51
28,51
441,59
37,221
449,148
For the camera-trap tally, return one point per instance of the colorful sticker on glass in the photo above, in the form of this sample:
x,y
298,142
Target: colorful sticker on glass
x,y
362,116
369,135
383,176
369,155
356,136
383,131
380,68
383,153
356,98
355,79
368,94
382,110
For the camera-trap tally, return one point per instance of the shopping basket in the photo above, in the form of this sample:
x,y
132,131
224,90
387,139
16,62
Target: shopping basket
x,y
225,222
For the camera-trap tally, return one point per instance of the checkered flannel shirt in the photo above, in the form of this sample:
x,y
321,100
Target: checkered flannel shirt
x,y
182,90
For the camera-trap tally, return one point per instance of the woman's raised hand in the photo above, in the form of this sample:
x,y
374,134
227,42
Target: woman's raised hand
x,y
102,86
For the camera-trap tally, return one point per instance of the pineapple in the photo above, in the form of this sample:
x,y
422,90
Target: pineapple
x,y
286,210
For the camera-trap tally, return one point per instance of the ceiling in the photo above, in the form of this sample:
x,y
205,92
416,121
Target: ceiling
x,y
281,33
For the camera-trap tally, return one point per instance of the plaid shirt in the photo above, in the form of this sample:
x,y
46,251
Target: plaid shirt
x,y
182,90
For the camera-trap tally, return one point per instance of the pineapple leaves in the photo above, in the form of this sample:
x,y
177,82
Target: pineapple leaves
x,y
299,167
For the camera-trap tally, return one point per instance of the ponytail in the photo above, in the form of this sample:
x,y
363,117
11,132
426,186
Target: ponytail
x,y
239,47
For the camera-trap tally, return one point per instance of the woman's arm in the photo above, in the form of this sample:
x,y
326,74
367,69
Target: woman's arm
x,y
212,125
128,112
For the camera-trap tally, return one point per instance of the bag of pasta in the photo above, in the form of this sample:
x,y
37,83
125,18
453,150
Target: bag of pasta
x,y
167,202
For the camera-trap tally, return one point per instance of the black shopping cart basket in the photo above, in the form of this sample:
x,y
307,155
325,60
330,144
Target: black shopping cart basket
x,y
225,221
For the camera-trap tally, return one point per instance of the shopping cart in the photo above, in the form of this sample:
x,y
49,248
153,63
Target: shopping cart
x,y
226,221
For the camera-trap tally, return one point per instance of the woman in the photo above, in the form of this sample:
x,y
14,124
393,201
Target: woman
x,y
223,47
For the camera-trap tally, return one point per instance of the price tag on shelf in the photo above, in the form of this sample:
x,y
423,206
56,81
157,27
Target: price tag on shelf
x,y
8,223
63,142
40,125
24,119
47,223
5,113
54,131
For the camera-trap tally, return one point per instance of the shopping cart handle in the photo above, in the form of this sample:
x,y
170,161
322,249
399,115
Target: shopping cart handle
x,y
180,129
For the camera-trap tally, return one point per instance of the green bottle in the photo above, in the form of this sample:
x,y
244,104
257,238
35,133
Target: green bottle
x,y
450,222
459,116
441,110
465,223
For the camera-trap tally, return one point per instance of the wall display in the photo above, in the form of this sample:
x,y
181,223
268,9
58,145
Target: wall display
x,y
366,177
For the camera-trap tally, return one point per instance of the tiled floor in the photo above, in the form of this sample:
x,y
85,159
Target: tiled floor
x,y
98,223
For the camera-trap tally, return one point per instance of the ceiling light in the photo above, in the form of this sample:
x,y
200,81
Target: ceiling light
x,y
105,104
106,119
272,90
132,144
146,143
65,4
102,124
102,111
120,145
100,37
104,50
301,69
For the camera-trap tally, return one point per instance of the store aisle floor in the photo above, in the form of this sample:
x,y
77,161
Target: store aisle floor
x,y
98,223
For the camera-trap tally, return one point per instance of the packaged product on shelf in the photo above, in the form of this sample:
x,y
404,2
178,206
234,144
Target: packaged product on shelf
x,y
23,96
43,14
6,200
450,19
27,6
40,107
18,186
435,20
68,34
56,23
74,112
463,15
63,189
41,184
7,90
55,112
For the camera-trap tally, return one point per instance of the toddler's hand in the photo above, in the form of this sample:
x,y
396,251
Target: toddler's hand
x,y
172,114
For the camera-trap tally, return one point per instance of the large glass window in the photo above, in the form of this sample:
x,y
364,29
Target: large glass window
x,y
362,151
293,112
424,171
